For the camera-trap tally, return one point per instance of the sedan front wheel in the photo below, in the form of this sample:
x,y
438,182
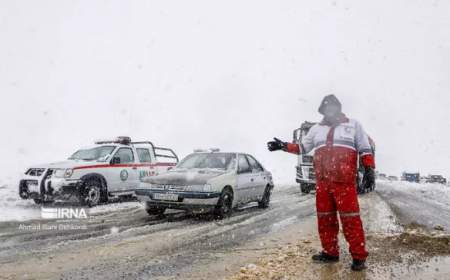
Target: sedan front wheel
x,y
224,207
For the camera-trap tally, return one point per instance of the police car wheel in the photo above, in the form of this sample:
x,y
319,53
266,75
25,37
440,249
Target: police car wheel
x,y
224,206
265,201
40,201
91,193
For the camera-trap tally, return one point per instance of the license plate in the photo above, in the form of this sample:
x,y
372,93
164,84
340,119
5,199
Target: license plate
x,y
165,196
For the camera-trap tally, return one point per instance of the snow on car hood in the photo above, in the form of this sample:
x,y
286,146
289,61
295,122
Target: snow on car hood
x,y
67,164
184,177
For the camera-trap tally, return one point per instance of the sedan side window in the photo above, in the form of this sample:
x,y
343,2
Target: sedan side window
x,y
244,166
254,164
125,155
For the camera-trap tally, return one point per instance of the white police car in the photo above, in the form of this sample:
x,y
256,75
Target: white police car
x,y
208,181
97,173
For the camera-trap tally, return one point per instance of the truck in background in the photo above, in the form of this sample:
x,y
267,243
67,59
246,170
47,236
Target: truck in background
x,y
413,177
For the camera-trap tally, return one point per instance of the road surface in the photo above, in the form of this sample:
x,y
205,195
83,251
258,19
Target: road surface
x,y
129,244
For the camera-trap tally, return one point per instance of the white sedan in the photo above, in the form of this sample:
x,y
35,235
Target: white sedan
x,y
208,181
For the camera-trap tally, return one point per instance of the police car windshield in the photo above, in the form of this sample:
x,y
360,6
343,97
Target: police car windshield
x,y
98,153
209,160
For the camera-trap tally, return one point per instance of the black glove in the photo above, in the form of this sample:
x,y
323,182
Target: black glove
x,y
368,178
276,145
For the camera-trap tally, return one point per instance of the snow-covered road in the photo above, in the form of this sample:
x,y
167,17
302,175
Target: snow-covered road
x,y
120,241
425,204
13,208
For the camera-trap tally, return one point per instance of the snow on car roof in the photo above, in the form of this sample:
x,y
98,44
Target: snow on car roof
x,y
221,152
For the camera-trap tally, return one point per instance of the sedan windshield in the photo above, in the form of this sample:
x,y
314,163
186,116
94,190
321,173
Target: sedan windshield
x,y
98,153
209,160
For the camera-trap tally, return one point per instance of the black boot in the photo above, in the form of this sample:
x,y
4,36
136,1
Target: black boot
x,y
358,265
325,258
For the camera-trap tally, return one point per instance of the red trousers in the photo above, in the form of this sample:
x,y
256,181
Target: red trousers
x,y
334,197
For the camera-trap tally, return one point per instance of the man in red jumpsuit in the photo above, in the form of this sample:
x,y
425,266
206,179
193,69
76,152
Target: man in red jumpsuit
x,y
337,141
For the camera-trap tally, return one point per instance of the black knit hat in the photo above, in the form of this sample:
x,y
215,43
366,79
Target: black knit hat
x,y
327,100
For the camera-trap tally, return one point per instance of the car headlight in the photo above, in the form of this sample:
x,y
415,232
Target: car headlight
x,y
197,188
207,188
59,173
68,173
156,186
63,173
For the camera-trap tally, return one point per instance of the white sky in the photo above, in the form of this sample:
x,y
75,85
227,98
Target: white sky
x,y
228,74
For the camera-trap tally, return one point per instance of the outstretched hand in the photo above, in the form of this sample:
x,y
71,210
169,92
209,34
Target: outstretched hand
x,y
275,145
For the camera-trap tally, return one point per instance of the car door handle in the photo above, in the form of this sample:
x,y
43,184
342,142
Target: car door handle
x,y
134,167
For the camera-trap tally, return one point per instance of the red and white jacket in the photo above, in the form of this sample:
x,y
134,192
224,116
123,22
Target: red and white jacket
x,y
336,150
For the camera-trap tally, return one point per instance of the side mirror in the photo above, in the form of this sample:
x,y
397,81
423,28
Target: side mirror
x,y
115,160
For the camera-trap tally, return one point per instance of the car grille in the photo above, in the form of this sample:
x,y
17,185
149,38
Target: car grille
x,y
175,188
35,172
299,172
169,187
307,159
309,174
312,174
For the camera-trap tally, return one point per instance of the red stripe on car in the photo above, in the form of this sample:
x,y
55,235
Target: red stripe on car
x,y
125,165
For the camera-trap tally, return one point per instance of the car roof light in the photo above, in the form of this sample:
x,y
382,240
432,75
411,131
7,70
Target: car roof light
x,y
124,140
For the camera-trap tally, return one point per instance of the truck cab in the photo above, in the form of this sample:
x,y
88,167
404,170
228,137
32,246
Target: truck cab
x,y
305,174
97,173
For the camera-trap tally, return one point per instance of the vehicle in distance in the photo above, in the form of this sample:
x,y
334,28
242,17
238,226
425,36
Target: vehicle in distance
x,y
208,181
392,178
94,174
436,179
413,177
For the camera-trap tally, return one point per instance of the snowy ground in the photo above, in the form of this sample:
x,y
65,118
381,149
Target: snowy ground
x,y
438,193
400,221
13,208
424,204
402,195
121,241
